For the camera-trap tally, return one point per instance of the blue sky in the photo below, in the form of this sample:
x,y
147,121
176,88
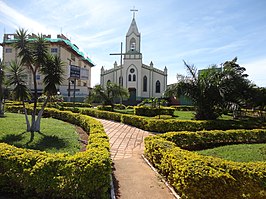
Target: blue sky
x,y
201,32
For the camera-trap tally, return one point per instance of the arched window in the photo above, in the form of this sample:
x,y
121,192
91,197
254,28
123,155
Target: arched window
x,y
121,81
158,87
145,82
129,77
134,78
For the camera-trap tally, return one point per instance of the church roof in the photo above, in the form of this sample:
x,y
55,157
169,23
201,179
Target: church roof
x,y
133,28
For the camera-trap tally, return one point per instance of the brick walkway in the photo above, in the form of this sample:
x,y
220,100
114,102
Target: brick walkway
x,y
133,178
125,140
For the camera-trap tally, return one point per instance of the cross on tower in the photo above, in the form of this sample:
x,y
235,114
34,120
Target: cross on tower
x,y
134,10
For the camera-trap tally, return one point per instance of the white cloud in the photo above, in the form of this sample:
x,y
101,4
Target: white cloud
x,y
17,20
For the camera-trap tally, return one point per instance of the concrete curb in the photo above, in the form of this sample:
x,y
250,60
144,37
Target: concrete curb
x,y
164,181
112,191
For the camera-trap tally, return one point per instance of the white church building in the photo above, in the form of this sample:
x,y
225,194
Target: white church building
x,y
142,81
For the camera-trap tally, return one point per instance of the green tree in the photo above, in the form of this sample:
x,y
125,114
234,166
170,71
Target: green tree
x,y
20,91
34,55
234,85
257,99
108,95
52,71
214,89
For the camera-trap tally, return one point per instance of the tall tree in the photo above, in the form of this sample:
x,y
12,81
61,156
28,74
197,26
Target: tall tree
x,y
213,89
53,76
20,91
33,55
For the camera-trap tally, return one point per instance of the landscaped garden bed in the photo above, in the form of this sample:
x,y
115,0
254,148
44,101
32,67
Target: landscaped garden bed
x,y
32,173
197,176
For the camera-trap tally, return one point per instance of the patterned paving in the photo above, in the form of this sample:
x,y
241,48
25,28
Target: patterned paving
x,y
125,140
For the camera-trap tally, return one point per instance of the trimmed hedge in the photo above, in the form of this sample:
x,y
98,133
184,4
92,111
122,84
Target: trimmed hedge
x,y
197,176
43,175
162,126
183,108
151,112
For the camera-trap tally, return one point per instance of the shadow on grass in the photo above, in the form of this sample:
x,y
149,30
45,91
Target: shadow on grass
x,y
43,143
49,142
13,138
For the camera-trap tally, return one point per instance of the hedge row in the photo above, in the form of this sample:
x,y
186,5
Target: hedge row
x,y
32,173
197,176
151,112
183,108
160,125
71,104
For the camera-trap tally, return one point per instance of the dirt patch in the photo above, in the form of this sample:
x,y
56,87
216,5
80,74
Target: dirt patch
x,y
83,138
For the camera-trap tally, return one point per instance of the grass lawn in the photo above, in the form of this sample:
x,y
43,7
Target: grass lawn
x,y
179,115
239,152
56,136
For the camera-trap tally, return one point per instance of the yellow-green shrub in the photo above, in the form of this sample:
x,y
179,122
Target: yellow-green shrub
x,y
34,173
155,125
151,112
197,176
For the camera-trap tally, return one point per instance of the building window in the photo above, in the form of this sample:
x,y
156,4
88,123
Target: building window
x,y
158,87
38,77
53,50
129,77
134,78
8,50
145,83
132,70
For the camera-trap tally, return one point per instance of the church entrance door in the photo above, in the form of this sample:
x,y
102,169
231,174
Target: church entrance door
x,y
132,96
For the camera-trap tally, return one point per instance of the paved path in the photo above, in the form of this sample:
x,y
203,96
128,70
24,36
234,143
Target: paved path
x,y
133,177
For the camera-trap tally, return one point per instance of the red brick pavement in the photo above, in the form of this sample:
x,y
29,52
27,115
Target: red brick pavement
x,y
125,140
133,178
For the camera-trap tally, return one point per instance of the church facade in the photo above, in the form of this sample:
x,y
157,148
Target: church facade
x,y
142,81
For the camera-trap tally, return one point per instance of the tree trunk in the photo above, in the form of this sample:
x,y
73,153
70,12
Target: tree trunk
x,y
1,108
38,121
26,117
33,115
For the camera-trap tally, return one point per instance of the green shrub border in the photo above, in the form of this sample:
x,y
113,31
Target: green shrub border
x,y
151,111
160,125
197,176
44,175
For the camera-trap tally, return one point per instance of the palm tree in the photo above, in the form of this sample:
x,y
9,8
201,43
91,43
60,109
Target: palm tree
x,y
53,76
20,91
109,95
214,89
33,55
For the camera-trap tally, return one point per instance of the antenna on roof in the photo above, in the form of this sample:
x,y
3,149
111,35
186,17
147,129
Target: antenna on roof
x,y
61,30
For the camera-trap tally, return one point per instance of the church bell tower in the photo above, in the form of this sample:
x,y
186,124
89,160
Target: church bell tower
x,y
133,40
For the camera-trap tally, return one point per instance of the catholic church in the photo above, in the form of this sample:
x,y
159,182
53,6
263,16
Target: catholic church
x,y
141,80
